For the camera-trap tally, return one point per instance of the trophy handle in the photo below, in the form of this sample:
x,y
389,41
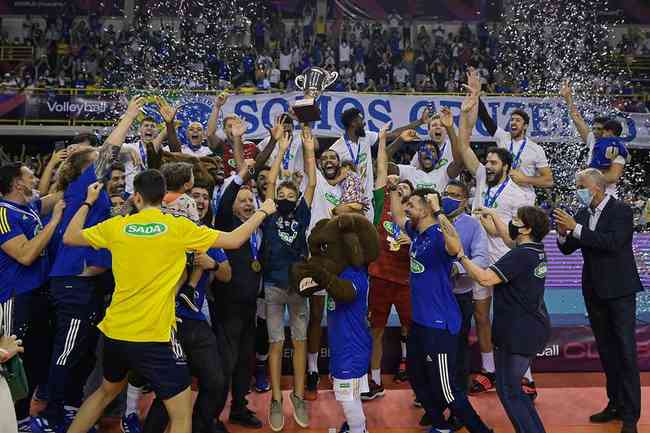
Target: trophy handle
x,y
300,82
331,78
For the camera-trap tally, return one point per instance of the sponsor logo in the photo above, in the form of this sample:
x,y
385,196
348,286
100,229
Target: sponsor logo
x,y
145,230
441,163
332,198
420,185
362,158
550,351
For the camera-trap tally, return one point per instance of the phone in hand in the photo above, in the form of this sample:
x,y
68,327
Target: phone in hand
x,y
60,145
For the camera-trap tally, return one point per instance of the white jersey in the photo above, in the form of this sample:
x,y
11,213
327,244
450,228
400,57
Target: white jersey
x,y
591,143
446,156
436,179
505,198
361,154
295,161
326,198
201,151
527,156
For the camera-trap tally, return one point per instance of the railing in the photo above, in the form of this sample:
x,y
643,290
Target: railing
x,y
16,54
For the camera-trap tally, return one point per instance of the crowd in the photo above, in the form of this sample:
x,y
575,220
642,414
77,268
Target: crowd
x,y
397,55
132,267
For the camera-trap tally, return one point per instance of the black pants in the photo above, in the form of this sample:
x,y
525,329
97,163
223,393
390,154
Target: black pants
x,y
28,316
238,324
510,370
613,322
466,304
201,348
431,363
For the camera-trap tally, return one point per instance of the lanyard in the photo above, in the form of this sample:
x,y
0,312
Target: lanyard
x,y
490,200
355,159
253,243
396,230
216,199
515,160
143,155
30,212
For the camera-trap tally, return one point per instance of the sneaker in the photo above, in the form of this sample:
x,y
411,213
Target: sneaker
x,y
300,412
345,428
261,380
131,423
439,430
401,375
186,294
529,388
482,382
24,426
311,393
38,424
374,392
276,417
426,420
245,417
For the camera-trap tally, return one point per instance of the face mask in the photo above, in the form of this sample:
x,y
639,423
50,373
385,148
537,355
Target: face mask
x,y
450,205
584,196
513,230
285,207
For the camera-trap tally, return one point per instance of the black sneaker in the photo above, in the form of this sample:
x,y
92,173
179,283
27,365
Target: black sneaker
x,y
311,393
529,388
401,375
374,392
186,294
426,420
482,382
345,428
456,423
245,417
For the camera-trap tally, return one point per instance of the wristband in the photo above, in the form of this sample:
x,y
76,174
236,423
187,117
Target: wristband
x,y
87,204
460,257
264,212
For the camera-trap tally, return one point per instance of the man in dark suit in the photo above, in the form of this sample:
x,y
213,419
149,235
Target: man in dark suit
x,y
602,229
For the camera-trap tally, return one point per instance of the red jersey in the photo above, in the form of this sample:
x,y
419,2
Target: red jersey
x,y
392,266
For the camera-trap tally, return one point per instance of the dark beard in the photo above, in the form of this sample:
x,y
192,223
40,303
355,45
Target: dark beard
x,y
328,177
361,132
495,182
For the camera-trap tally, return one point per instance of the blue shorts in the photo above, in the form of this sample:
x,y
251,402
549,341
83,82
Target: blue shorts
x,y
162,365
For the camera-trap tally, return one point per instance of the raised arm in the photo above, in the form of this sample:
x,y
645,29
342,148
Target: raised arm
x,y
215,142
309,157
453,169
425,117
238,130
276,133
396,206
271,182
468,116
382,158
168,113
48,171
405,136
567,93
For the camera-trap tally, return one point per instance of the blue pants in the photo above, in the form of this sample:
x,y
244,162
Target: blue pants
x,y
510,369
431,363
78,302
28,316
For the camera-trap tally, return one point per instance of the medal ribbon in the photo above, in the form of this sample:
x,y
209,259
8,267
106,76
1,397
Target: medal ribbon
x,y
490,200
355,159
515,159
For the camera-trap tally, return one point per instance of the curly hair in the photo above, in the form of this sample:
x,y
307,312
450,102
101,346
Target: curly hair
x,y
73,166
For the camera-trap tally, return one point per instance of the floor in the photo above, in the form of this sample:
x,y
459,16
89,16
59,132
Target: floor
x,y
565,402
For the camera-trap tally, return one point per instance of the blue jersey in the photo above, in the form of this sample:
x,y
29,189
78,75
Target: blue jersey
x,y
348,330
219,256
16,220
432,297
69,260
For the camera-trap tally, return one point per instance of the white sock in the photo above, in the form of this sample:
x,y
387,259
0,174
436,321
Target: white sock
x,y
403,345
376,375
132,397
312,362
261,358
529,375
487,360
354,415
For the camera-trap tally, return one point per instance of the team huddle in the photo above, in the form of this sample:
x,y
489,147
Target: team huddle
x,y
130,268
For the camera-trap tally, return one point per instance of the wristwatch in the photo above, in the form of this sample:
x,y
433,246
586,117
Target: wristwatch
x,y
461,256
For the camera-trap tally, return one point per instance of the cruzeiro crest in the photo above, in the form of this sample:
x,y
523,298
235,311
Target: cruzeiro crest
x,y
416,266
540,270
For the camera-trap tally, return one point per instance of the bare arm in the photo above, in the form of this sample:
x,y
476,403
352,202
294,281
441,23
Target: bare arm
x,y
224,273
382,159
485,277
73,235
453,169
215,142
614,172
543,180
309,156
49,201
235,239
48,172
578,120
26,251
275,167
169,114
397,209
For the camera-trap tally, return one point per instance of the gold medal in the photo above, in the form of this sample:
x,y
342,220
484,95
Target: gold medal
x,y
393,245
256,266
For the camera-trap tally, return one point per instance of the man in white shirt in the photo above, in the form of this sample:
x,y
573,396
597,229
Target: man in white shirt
x,y
401,76
530,167
344,52
590,136
357,143
495,189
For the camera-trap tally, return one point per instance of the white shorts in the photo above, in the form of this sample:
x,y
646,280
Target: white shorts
x,y
481,293
261,308
350,389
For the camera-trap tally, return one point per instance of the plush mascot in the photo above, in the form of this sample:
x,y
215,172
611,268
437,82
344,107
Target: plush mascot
x,y
341,250
335,244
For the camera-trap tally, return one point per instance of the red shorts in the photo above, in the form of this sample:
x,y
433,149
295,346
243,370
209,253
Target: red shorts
x,y
385,293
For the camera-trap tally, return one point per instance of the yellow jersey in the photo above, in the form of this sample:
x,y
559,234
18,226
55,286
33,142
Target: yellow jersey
x,y
148,251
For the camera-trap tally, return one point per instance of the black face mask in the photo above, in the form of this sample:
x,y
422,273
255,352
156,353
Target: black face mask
x,y
285,207
513,230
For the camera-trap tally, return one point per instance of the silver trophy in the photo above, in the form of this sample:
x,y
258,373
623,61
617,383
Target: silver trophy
x,y
312,82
